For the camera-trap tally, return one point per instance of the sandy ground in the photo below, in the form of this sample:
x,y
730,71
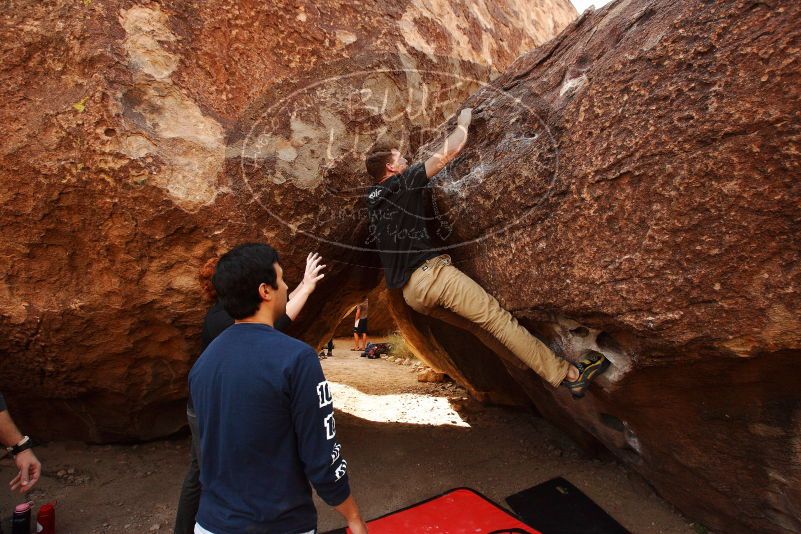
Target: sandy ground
x,y
446,442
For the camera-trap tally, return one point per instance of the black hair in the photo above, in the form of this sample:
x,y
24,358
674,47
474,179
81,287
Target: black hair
x,y
239,274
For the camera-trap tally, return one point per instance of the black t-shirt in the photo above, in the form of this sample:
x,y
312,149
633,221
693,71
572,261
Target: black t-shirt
x,y
399,229
217,320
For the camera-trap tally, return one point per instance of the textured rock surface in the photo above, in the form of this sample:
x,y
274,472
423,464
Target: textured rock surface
x,y
630,186
430,375
633,186
138,142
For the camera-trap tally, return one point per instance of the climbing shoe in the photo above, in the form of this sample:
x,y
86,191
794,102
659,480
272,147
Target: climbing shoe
x,y
591,365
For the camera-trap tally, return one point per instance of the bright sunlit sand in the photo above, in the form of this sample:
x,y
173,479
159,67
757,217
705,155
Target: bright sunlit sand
x,y
399,408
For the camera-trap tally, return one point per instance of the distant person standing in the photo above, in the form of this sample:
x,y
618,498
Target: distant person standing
x,y
360,326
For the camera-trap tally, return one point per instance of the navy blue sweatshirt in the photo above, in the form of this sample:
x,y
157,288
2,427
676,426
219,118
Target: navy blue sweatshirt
x,y
266,422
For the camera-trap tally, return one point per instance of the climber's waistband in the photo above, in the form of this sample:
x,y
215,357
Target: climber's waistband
x,y
443,259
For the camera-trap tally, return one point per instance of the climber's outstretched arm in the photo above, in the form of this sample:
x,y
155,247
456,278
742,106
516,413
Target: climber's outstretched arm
x,y
453,144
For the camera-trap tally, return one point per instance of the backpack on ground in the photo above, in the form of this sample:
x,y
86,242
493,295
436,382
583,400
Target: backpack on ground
x,y
374,351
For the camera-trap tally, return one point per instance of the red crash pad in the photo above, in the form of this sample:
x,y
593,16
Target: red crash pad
x,y
460,511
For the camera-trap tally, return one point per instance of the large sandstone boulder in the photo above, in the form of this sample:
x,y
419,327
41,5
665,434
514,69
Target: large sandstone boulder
x,y
142,138
633,186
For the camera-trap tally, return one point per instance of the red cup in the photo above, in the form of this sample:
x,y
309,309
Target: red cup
x,y
46,519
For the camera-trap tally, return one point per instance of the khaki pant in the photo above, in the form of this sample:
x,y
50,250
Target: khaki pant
x,y
438,283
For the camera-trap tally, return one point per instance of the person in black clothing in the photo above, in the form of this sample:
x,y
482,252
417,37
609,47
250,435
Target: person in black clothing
x,y
413,261
215,322
217,319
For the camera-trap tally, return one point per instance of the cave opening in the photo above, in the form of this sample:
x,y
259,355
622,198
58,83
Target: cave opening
x,y
386,382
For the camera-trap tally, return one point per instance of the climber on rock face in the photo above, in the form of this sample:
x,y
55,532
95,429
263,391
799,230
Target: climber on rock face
x,y
398,227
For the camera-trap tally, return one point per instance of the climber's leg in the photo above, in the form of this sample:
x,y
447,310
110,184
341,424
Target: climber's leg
x,y
438,283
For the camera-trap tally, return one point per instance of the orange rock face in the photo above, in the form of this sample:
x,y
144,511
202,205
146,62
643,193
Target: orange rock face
x,y
632,187
141,139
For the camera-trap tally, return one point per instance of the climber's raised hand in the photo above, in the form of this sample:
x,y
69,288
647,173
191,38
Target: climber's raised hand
x,y
453,144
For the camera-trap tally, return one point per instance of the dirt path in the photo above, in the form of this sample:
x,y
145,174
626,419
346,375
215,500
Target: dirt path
x,y
134,489
501,452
